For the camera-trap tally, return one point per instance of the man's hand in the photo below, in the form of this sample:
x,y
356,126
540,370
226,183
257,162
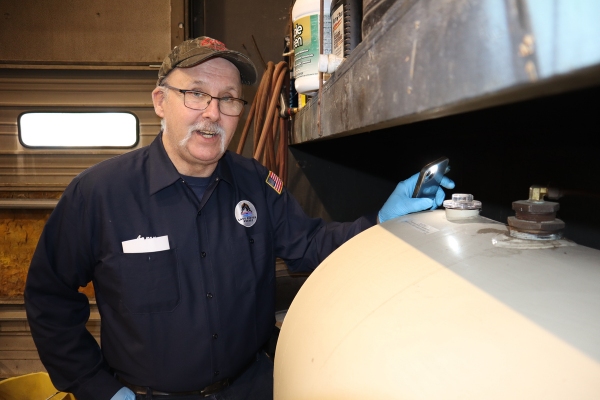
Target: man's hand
x,y
124,394
401,201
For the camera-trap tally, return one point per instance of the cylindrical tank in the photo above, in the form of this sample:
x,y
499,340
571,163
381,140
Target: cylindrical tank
x,y
306,43
421,307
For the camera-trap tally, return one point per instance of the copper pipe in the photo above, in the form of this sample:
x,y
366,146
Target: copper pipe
x,y
272,141
271,109
263,100
244,135
278,68
285,150
257,99
281,149
270,137
255,109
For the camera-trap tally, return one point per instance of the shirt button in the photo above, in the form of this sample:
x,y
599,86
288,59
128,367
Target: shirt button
x,y
199,212
215,336
251,241
209,295
203,254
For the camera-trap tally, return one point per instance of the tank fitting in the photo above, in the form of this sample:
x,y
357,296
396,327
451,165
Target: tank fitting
x,y
535,218
461,206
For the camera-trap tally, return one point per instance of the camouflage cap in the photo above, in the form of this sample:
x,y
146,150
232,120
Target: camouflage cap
x,y
194,51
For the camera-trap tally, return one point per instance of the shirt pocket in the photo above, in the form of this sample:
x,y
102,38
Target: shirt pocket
x,y
149,281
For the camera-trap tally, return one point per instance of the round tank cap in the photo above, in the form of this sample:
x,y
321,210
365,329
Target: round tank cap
x,y
462,201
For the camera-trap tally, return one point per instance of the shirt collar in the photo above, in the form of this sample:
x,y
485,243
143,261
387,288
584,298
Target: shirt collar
x,y
162,173
223,170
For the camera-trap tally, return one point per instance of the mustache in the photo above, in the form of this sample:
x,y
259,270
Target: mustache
x,y
204,126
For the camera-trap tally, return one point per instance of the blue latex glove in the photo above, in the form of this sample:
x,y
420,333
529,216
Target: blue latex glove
x,y
401,201
124,394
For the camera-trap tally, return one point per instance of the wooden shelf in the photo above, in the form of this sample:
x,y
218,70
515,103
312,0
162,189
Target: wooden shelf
x,y
432,58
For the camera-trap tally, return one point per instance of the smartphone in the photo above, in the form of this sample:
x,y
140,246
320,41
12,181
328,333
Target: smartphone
x,y
430,178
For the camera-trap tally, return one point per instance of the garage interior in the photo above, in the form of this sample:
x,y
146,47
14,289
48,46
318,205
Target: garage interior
x,y
455,78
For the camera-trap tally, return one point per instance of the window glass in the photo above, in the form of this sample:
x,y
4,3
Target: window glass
x,y
78,129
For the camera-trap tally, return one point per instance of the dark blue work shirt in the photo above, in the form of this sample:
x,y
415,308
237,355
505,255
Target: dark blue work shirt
x,y
180,318
197,184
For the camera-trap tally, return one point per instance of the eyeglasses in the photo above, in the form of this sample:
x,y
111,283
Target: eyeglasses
x,y
199,101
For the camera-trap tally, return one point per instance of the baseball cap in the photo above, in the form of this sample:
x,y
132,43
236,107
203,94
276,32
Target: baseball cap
x,y
194,51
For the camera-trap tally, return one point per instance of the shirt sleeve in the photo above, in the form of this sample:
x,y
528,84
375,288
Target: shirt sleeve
x,y
305,242
57,312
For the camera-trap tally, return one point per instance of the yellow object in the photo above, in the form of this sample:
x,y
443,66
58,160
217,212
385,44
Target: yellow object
x,y
301,100
36,386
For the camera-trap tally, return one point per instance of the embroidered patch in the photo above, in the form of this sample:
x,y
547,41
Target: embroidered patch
x,y
245,213
274,181
213,44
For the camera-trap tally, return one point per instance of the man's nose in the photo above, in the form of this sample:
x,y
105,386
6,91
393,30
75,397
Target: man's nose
x,y
212,110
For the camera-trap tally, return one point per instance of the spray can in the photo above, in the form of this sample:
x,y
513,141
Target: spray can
x,y
346,19
305,19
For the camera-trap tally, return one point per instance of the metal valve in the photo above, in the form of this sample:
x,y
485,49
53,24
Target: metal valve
x,y
535,218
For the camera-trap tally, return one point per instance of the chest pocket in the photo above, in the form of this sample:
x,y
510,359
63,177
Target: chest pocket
x,y
149,281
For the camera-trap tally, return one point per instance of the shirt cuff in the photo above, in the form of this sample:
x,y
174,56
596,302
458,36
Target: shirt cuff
x,y
372,218
101,386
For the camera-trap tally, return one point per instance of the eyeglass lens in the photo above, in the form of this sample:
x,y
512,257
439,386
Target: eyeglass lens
x,y
199,101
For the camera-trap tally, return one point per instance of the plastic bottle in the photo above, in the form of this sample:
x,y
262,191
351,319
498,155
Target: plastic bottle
x,y
305,18
373,12
346,19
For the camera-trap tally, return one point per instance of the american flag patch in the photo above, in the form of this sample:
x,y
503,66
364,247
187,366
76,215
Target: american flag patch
x,y
274,181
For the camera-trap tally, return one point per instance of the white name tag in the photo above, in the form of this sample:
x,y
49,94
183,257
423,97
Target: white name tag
x,y
146,245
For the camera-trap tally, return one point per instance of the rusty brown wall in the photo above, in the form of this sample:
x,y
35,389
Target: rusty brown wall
x,y
19,233
20,230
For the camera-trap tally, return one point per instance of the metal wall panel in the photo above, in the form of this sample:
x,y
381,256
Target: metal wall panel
x,y
26,169
107,32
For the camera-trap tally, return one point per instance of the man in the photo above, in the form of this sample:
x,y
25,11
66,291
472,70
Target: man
x,y
180,240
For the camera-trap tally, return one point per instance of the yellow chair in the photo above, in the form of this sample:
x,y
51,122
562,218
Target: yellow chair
x,y
36,386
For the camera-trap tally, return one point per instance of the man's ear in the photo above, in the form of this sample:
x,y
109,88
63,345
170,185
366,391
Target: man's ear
x,y
158,99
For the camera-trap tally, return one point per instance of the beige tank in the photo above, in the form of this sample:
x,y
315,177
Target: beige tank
x,y
425,308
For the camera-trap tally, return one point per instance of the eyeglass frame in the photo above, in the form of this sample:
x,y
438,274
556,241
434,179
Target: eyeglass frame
x,y
184,91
